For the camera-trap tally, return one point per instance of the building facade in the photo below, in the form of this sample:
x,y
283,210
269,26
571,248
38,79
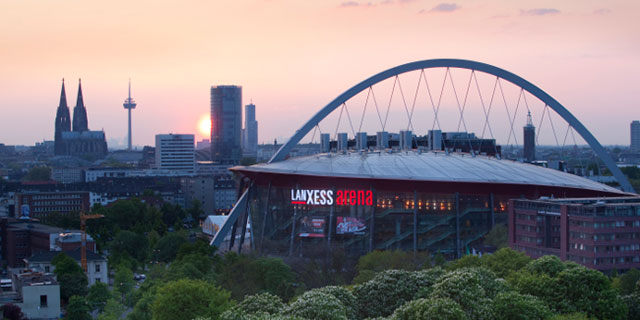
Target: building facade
x,y
226,124
175,152
250,131
40,204
39,295
599,233
635,135
97,267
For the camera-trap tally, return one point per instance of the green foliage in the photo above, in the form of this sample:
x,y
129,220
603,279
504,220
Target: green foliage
x,y
627,282
472,289
377,261
633,304
430,309
571,316
123,284
345,296
70,277
243,275
390,289
143,307
167,247
515,306
98,296
112,311
78,309
467,261
505,261
186,299
172,214
38,174
317,305
549,265
439,259
255,305
498,236
128,244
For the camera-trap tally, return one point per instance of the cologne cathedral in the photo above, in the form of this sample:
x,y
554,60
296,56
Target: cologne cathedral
x,y
73,138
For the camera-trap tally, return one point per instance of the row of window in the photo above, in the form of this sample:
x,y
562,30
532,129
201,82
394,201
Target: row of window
x,y
57,209
59,202
57,196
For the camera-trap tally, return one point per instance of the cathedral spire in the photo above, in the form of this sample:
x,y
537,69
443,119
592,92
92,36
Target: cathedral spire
x,y
80,121
63,121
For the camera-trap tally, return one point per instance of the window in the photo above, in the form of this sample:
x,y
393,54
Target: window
x,y
47,269
43,300
98,280
97,267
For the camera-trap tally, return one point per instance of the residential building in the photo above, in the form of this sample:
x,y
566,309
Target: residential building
x,y
41,204
175,152
226,124
600,233
67,175
97,267
38,295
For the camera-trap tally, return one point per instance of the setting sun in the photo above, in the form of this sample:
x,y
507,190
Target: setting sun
x,y
204,126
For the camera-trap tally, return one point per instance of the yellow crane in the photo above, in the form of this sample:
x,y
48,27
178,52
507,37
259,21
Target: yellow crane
x,y
83,226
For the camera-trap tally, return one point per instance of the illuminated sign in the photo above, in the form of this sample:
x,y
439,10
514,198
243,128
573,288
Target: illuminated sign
x,y
319,197
349,225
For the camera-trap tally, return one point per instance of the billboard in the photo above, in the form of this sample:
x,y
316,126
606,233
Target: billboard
x,y
349,225
312,227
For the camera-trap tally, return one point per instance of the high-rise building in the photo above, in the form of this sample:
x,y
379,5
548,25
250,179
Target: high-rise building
x,y
250,131
635,135
175,152
529,140
226,124
129,104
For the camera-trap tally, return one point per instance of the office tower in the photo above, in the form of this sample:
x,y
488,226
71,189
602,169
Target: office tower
x,y
343,142
250,131
63,122
435,140
129,104
80,121
529,140
226,124
635,135
361,141
175,152
325,143
382,140
406,140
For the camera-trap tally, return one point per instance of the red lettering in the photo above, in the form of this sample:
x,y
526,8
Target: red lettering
x,y
369,198
339,198
352,197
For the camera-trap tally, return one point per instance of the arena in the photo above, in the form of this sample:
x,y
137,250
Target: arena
x,y
409,200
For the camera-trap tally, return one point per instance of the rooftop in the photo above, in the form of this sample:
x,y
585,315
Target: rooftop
x,y
426,166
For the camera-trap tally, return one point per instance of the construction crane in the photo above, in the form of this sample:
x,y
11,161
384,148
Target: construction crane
x,y
83,226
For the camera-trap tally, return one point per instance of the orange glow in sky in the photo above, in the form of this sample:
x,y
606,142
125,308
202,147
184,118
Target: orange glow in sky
x,y
204,126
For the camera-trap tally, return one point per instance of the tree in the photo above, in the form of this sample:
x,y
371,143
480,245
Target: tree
x,y
498,236
317,305
186,299
78,309
12,312
390,289
112,311
430,309
123,283
377,261
167,247
627,281
72,279
243,275
38,174
98,296
129,244
259,304
549,265
142,309
515,306
467,261
505,261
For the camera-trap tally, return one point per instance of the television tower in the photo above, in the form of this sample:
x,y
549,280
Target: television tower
x,y
129,104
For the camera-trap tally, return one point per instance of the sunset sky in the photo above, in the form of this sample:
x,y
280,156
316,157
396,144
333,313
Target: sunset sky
x,y
293,57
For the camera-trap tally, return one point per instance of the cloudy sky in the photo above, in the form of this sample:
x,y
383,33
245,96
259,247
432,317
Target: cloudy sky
x,y
293,57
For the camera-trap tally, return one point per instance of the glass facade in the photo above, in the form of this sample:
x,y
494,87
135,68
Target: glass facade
x,y
302,221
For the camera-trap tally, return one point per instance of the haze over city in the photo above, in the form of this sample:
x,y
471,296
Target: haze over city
x,y
293,57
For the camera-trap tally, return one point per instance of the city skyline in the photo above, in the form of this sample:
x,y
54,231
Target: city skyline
x,y
582,53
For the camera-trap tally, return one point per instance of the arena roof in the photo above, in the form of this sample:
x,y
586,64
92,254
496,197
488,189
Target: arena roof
x,y
426,166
